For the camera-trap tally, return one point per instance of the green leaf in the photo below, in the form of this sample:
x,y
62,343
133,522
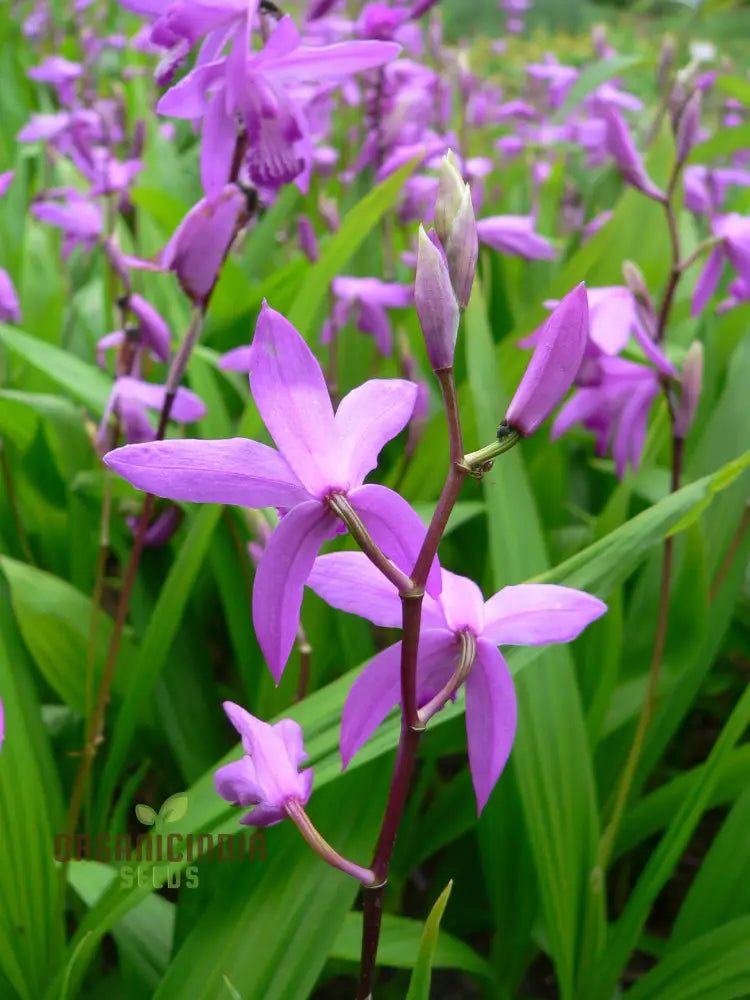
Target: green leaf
x,y
152,654
725,142
31,813
83,381
400,940
54,619
356,226
720,890
419,985
174,808
662,861
715,966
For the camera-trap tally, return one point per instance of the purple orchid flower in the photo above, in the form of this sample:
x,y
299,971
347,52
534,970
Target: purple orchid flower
x,y
60,74
733,231
256,88
267,777
10,311
614,400
319,455
514,235
528,614
706,187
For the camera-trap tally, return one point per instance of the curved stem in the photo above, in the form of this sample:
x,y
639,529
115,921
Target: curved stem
x,y
295,811
465,663
340,505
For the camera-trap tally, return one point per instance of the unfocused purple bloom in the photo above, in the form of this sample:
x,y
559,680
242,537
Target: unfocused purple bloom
x,y
131,399
10,310
622,149
559,79
308,241
515,235
161,529
236,360
594,225
554,364
268,775
60,73
319,455
79,219
6,179
367,301
733,231
528,614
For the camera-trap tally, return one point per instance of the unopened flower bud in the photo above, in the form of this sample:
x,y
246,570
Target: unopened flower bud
x,y
308,241
451,186
554,364
644,304
690,389
666,62
435,301
687,126
462,250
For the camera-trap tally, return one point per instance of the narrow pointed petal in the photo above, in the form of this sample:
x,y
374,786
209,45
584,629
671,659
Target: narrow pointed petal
x,y
235,471
490,719
377,689
554,364
707,281
290,392
320,63
350,582
395,527
367,418
532,614
217,145
280,579
462,602
236,360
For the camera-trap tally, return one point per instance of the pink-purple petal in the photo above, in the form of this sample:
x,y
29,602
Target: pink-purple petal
x,y
532,614
367,418
395,527
349,582
290,392
490,719
281,576
236,471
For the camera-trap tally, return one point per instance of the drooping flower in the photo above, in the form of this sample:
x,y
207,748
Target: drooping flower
x,y
527,614
79,219
320,455
268,776
622,149
198,246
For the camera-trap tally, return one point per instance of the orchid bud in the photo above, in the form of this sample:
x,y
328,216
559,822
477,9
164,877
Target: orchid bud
x,y
462,250
435,301
451,186
554,364
688,125
456,228
638,289
308,241
690,389
666,62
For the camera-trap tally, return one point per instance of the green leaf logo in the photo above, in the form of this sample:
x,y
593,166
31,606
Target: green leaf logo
x,y
174,808
145,814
